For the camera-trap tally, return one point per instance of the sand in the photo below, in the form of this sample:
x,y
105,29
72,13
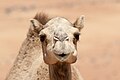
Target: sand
x,y
99,45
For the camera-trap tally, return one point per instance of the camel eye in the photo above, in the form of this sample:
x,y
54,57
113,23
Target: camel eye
x,y
42,37
56,38
76,35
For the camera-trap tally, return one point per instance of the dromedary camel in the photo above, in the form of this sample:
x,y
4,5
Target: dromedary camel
x,y
49,50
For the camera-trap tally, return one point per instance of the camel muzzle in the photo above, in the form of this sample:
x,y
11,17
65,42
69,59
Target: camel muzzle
x,y
69,58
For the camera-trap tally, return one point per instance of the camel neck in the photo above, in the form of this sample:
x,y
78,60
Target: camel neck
x,y
60,71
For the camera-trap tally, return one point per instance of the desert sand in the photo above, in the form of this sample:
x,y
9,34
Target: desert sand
x,y
99,45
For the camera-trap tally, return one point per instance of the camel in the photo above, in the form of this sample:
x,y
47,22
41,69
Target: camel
x,y
49,51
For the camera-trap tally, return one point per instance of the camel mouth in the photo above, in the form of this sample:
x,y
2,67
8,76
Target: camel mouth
x,y
62,57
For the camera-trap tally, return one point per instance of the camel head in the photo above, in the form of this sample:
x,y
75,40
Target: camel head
x,y
59,39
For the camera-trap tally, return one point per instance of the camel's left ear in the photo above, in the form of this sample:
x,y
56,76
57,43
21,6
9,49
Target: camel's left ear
x,y
79,23
35,25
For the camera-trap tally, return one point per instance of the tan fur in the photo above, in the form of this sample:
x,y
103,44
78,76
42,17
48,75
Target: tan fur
x,y
29,64
42,18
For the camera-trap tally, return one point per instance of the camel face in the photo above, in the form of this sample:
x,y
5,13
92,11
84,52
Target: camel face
x,y
59,41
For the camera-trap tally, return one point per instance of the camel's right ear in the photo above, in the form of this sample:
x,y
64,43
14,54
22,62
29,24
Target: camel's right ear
x,y
35,25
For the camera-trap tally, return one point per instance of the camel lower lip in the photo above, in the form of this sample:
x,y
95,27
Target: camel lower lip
x,y
62,60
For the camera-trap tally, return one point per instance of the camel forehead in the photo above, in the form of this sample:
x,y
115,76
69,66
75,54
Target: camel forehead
x,y
58,22
58,25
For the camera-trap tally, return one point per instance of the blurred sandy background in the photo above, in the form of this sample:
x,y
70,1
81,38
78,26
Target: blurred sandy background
x,y
99,47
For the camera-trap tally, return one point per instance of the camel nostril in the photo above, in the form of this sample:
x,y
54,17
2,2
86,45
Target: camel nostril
x,y
62,55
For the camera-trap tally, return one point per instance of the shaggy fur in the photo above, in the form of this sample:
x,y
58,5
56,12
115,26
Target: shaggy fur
x,y
42,18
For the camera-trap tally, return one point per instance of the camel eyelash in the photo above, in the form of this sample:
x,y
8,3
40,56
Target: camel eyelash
x,y
76,35
42,37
